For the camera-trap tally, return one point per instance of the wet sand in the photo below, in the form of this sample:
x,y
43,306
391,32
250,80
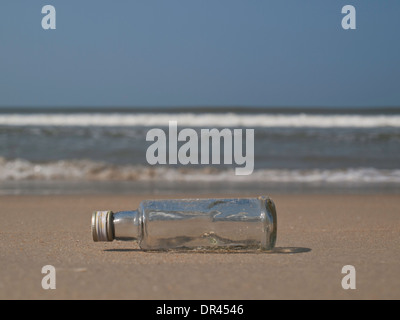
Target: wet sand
x,y
317,236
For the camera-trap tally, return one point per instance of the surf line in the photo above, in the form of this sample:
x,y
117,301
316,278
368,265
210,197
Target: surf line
x,y
188,152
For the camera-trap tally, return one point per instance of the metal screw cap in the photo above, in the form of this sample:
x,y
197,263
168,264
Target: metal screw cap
x,y
102,226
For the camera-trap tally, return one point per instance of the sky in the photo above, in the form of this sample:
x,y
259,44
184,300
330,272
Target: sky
x,y
182,53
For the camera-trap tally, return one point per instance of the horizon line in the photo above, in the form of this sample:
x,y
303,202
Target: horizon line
x,y
200,109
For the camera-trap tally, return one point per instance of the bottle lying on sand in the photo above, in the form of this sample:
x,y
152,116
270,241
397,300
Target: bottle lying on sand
x,y
204,224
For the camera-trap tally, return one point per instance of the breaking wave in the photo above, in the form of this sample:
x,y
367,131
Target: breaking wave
x,y
202,120
87,170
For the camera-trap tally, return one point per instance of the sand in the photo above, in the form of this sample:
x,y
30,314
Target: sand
x,y
317,236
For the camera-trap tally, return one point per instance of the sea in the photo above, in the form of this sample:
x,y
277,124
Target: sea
x,y
103,150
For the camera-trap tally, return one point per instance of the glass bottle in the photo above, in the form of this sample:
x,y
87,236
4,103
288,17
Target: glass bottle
x,y
206,224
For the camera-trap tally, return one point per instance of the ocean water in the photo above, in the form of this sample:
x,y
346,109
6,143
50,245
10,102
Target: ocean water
x,y
64,151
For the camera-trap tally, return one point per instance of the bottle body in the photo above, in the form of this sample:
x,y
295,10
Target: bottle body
x,y
198,224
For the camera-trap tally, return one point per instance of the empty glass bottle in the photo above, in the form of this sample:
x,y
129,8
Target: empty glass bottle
x,y
192,224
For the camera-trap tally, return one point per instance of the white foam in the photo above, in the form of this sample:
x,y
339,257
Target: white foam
x,y
87,170
202,120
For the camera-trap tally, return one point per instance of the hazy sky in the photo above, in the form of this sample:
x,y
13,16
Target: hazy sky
x,y
199,53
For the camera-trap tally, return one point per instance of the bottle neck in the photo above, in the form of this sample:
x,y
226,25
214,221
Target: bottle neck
x,y
127,225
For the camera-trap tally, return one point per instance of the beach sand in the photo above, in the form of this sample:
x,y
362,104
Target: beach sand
x,y
317,236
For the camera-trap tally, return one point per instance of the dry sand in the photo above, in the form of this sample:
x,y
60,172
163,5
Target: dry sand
x,y
317,236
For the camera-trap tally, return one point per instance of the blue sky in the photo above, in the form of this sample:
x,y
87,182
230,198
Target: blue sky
x,y
200,53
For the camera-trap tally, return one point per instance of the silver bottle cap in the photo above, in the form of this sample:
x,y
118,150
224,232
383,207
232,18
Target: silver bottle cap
x,y
102,226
